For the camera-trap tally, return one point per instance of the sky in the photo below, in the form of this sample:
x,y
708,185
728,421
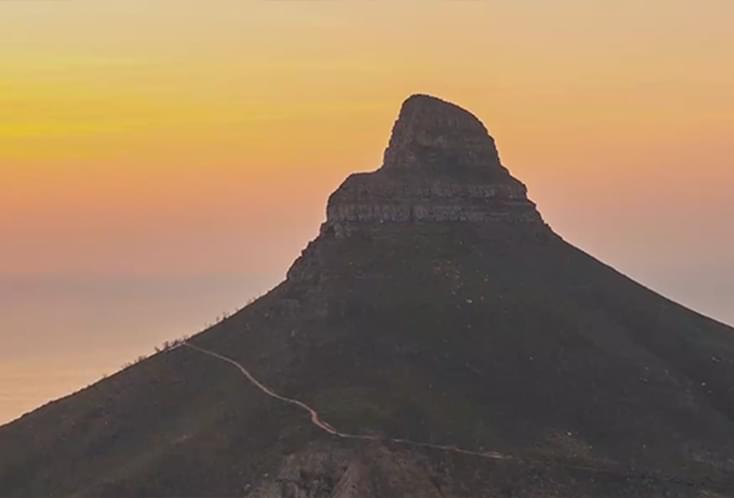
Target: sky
x,y
163,162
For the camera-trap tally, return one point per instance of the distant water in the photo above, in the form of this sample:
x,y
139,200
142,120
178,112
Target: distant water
x,y
59,334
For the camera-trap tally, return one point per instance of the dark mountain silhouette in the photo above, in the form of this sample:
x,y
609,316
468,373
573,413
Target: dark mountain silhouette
x,y
437,339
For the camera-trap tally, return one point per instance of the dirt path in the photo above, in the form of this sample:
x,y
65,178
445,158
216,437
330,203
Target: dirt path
x,y
328,428
492,455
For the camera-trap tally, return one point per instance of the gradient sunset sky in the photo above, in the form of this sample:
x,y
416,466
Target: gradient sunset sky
x,y
162,162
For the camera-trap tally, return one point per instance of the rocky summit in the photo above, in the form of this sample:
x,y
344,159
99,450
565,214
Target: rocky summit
x,y
441,166
436,339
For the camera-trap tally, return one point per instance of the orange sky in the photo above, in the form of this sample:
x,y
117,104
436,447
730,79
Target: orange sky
x,y
160,156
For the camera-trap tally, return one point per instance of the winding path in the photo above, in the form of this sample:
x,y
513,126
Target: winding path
x,y
492,455
328,428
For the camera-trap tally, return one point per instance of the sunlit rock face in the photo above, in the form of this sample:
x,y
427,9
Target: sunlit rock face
x,y
441,166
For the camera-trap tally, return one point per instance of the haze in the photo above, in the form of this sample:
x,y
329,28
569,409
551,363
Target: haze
x,y
163,162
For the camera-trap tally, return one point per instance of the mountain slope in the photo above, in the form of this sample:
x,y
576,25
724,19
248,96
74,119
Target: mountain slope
x,y
435,306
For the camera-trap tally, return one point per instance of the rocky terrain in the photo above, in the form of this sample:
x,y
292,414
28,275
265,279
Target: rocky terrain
x,y
437,339
441,166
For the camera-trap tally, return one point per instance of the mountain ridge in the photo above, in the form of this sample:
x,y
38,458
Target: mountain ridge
x,y
435,305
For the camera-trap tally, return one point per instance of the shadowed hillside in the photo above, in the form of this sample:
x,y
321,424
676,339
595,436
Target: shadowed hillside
x,y
435,306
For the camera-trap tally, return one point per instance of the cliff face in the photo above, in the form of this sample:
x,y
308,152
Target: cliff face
x,y
441,166
381,197
431,134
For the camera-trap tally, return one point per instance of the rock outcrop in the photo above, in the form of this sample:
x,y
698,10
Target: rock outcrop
x,y
374,471
441,166
433,134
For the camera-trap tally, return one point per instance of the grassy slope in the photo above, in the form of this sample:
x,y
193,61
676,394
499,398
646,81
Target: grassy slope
x,y
460,337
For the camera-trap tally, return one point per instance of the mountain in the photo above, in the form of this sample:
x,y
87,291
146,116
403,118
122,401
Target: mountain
x,y
437,339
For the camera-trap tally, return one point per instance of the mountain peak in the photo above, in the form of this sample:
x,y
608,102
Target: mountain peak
x,y
432,134
440,167
435,340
